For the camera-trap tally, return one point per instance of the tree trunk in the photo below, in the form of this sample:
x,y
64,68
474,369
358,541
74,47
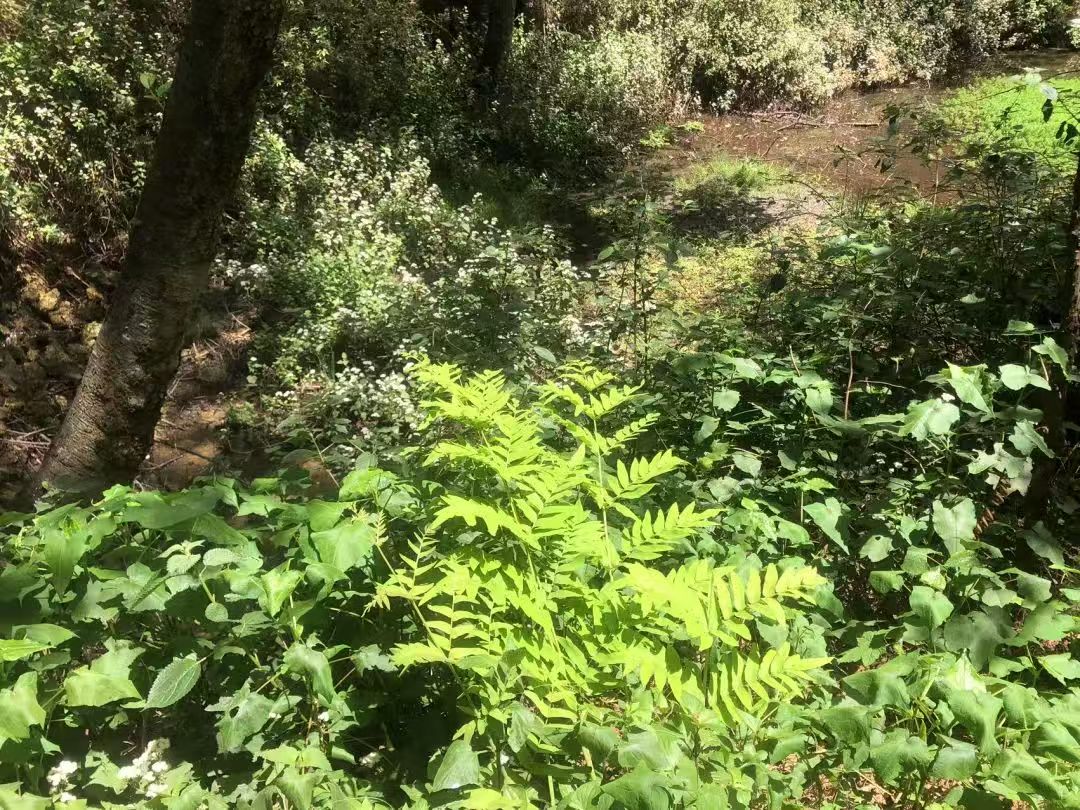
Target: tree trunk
x,y
1072,316
498,40
226,53
538,14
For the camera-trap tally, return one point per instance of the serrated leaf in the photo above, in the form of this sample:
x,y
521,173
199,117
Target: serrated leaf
x,y
174,682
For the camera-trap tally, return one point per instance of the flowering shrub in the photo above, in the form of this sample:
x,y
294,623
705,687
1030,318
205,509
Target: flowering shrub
x,y
359,256
81,84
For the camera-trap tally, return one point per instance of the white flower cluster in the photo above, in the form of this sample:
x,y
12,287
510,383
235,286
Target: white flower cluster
x,y
148,770
248,278
59,779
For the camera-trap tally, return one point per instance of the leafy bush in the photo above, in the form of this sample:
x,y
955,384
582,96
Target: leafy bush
x,y
578,102
365,260
543,579
80,96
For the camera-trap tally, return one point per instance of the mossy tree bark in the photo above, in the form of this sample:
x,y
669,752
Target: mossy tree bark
x,y
108,429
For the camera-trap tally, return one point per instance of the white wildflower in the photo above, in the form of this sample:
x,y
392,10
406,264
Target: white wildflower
x,y
324,716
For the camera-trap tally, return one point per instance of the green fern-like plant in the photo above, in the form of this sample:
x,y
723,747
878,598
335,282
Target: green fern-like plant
x,y
551,581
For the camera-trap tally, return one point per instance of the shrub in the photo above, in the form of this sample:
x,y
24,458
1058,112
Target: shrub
x,y
362,258
81,84
538,577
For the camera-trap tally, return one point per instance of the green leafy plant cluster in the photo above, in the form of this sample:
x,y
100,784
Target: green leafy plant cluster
x,y
526,595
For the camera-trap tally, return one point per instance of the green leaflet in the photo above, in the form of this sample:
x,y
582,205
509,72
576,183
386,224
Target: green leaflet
x,y
459,767
955,524
19,708
174,682
315,667
930,418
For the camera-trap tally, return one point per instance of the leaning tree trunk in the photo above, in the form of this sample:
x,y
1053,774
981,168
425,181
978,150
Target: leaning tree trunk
x,y
497,41
225,55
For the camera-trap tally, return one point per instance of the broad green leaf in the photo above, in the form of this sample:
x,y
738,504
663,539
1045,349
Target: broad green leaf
x,y
153,510
659,748
19,708
878,687
323,515
277,586
245,714
747,462
299,788
313,664
975,633
955,760
459,767
1062,666
63,550
1053,739
707,428
978,713
934,417
106,680
641,789
17,649
850,724
725,399
1016,378
827,516
1043,543
969,383
174,682
1019,770
819,398
930,605
346,546
1035,590
599,740
1026,439
216,612
744,367
886,581
956,524
899,753
51,635
1052,349
877,548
